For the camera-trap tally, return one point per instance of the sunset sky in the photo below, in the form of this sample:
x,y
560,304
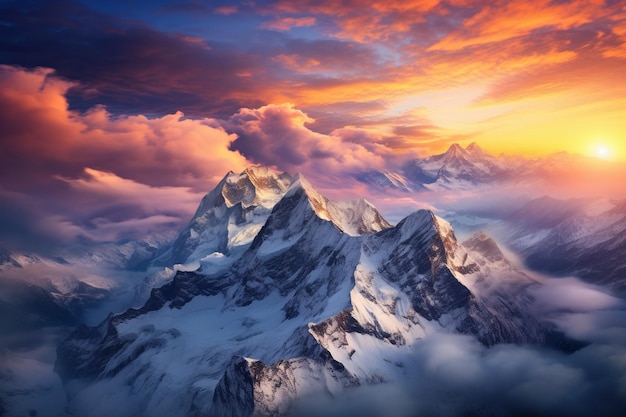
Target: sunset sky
x,y
129,101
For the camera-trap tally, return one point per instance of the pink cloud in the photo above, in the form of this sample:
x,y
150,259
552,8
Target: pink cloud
x,y
108,177
507,20
363,21
99,206
101,174
42,139
279,135
65,174
287,23
226,10
97,187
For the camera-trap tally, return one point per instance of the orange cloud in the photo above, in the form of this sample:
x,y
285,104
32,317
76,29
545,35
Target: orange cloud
x,y
64,174
296,62
504,20
287,23
362,21
41,138
462,65
619,31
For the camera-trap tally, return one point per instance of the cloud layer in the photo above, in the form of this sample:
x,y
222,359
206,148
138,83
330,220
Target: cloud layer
x,y
63,173
101,176
280,135
487,71
453,375
67,174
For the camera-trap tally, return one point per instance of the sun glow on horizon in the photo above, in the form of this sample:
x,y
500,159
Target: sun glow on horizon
x,y
602,151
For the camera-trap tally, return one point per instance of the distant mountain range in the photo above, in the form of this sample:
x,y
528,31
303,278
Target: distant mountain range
x,y
56,290
469,168
579,237
291,295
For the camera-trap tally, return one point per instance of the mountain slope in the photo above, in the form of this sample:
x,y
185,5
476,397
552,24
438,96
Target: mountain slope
x,y
581,237
325,297
230,215
24,307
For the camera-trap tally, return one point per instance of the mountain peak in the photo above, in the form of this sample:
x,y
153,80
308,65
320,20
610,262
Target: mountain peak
x,y
485,245
300,182
317,201
231,214
423,220
260,175
454,155
455,148
257,170
474,148
256,185
353,217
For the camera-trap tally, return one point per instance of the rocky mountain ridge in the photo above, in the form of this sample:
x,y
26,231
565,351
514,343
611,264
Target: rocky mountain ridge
x,y
324,297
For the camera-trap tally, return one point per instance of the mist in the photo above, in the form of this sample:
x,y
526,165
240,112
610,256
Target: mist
x,y
452,375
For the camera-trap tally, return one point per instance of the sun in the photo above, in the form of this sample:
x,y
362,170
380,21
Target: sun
x,y
602,151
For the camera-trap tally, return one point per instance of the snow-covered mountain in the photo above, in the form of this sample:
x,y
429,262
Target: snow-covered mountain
x,y
580,237
38,292
457,168
294,295
82,278
471,165
472,168
229,216
387,180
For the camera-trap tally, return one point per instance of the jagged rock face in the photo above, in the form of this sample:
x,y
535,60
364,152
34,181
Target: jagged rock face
x,y
318,301
486,246
234,395
251,388
302,248
419,264
89,350
354,218
231,214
